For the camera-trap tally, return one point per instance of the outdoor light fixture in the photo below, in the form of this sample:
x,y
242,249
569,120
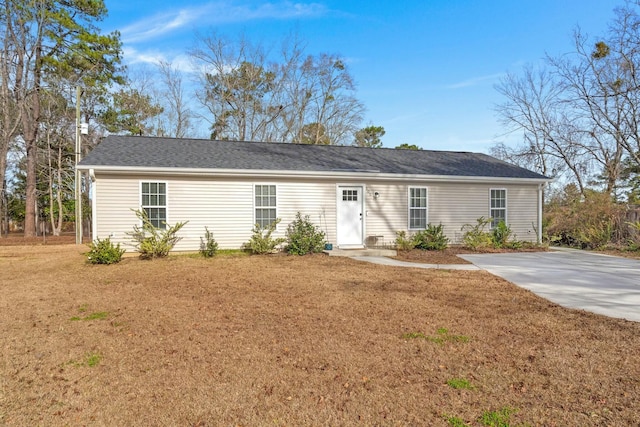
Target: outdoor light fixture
x,y
376,195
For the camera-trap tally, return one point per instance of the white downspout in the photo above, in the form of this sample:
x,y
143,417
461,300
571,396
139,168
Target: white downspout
x,y
540,187
94,219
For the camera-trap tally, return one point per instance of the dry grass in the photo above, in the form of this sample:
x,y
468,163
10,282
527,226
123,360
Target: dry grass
x,y
296,341
446,256
450,254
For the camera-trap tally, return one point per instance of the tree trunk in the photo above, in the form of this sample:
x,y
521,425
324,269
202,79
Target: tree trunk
x,y
57,229
55,196
4,223
30,122
31,198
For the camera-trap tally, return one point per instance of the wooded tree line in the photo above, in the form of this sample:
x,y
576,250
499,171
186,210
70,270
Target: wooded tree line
x,y
47,47
245,92
578,113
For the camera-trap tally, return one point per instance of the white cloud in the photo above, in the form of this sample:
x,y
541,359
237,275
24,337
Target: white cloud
x,y
149,57
180,61
475,81
212,13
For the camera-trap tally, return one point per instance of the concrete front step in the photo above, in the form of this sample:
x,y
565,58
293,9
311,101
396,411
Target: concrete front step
x,y
361,252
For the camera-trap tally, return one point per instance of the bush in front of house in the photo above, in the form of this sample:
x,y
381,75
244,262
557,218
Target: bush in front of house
x,y
403,241
475,236
303,237
500,235
261,241
431,238
104,252
208,245
154,242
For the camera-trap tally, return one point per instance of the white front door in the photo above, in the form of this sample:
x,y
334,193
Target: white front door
x,y
350,216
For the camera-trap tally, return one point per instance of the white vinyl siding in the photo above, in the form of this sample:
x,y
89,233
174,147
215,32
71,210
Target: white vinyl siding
x,y
225,206
417,208
451,204
498,206
265,205
153,200
116,200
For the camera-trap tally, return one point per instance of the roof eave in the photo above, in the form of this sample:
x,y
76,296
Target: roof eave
x,y
263,173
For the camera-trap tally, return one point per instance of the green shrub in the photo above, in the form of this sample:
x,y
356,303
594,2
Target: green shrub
x,y
500,235
104,252
403,242
588,221
208,245
154,242
474,235
519,244
431,239
261,241
633,243
303,237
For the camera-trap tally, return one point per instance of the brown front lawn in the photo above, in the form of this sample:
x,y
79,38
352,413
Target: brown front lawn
x,y
285,340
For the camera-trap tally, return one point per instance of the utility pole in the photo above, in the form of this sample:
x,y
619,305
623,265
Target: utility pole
x,y
78,176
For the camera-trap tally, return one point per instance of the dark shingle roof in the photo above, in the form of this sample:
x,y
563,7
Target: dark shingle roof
x,y
152,152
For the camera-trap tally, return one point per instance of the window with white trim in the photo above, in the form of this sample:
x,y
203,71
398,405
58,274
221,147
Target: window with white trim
x,y
417,208
154,202
265,205
498,203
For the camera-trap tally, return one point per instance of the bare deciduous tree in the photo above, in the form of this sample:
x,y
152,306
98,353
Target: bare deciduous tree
x,y
178,117
533,107
579,115
10,79
253,96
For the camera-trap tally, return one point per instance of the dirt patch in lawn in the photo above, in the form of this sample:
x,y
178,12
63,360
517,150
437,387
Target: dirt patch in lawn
x,y
318,340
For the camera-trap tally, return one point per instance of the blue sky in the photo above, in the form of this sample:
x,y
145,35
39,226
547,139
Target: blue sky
x,y
425,69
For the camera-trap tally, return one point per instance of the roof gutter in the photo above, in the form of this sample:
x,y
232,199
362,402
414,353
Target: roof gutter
x,y
261,173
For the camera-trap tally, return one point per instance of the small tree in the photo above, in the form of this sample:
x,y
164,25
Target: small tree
x,y
261,241
303,237
405,146
154,242
369,136
208,245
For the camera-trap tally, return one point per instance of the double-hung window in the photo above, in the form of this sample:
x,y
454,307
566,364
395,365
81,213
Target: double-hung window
x,y
417,208
154,202
498,203
265,205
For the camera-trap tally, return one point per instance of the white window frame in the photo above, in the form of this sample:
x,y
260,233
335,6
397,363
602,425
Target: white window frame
x,y
503,208
255,207
410,208
158,206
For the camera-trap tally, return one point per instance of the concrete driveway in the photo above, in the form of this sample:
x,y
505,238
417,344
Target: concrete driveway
x,y
598,283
